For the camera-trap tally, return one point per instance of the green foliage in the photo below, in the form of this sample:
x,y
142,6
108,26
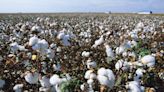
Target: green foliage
x,y
140,50
69,85
144,52
121,79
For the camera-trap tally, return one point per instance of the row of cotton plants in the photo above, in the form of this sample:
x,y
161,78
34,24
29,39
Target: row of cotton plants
x,y
81,53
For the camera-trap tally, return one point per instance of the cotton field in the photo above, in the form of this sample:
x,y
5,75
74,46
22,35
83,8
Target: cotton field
x,y
81,53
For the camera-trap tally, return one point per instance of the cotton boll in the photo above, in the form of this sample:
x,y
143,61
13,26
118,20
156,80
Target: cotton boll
x,y
82,87
148,60
109,51
43,43
52,45
103,80
125,54
65,40
88,74
57,67
119,64
133,86
61,35
140,72
133,43
132,54
91,64
122,48
54,80
58,49
18,87
106,77
31,78
50,54
98,42
43,89
33,40
35,29
2,83
90,81
102,71
140,25
85,54
44,81
14,47
41,46
22,48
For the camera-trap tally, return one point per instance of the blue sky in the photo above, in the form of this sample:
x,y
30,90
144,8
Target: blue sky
x,y
13,6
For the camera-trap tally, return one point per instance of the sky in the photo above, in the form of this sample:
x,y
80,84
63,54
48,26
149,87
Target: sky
x,y
52,6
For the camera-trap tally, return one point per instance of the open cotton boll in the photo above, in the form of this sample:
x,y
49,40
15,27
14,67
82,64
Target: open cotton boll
x,y
50,54
22,48
140,25
31,78
44,81
88,74
65,40
53,45
98,42
57,67
122,48
43,89
54,80
91,64
106,77
102,71
36,28
103,80
61,35
82,87
85,54
18,87
41,46
2,83
134,35
119,64
148,60
109,51
133,86
14,47
133,43
139,73
90,81
33,40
